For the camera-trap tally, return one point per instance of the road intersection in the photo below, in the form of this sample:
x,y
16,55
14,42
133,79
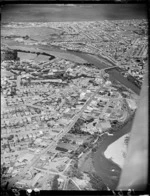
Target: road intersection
x,y
54,142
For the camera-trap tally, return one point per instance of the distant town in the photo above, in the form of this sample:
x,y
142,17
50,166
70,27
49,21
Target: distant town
x,y
66,87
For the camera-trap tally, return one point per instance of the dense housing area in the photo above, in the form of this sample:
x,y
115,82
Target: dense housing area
x,y
63,90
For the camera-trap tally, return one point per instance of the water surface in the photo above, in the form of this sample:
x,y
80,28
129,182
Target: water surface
x,y
103,166
56,13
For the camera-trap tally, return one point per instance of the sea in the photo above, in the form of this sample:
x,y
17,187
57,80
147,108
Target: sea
x,y
71,12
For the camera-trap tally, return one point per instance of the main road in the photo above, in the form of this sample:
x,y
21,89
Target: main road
x,y
72,55
54,142
76,117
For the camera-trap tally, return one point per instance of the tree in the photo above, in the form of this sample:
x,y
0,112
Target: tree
x,y
55,182
4,169
10,137
4,146
97,182
74,142
76,173
94,149
85,144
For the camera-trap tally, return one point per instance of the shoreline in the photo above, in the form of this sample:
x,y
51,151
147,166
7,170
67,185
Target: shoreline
x,y
104,166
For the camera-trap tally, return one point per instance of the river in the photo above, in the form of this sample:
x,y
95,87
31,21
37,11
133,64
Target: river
x,y
78,57
102,165
88,12
116,75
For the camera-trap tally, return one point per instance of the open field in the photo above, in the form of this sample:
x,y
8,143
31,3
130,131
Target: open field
x,y
85,163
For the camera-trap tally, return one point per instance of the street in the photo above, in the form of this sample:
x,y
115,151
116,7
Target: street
x,y
54,142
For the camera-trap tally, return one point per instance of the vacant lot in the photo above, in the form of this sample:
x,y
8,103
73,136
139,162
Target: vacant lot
x,y
85,163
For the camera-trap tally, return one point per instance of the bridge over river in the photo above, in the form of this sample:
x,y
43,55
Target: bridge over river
x,y
105,168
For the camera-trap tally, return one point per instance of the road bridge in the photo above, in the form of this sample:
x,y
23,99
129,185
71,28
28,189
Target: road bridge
x,y
109,68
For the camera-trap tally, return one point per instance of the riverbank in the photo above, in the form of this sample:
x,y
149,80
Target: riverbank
x,y
105,168
116,75
78,57
45,49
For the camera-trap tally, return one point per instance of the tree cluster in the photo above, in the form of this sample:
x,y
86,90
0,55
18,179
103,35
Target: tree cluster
x,y
96,182
55,182
77,127
75,172
10,55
